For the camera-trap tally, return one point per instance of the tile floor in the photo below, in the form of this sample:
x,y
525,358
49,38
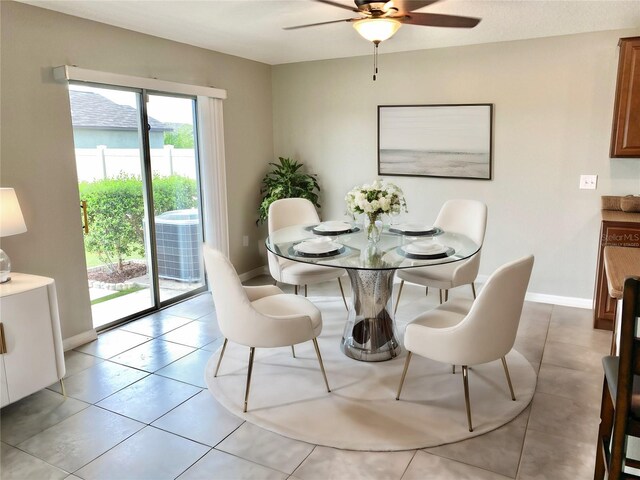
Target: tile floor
x,y
138,408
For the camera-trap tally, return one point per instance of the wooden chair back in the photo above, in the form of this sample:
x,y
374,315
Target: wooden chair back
x,y
620,409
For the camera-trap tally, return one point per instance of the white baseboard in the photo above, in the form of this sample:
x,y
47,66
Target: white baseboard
x,y
80,339
575,302
256,272
563,301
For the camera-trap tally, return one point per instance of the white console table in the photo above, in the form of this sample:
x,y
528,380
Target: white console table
x,y
31,354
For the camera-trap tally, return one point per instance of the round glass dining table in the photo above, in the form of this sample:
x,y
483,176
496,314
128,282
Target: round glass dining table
x,y
370,332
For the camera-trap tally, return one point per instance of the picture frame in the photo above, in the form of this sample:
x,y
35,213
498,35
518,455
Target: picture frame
x,y
442,140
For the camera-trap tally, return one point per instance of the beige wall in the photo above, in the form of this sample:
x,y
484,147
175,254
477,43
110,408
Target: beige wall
x,y
553,102
37,156
553,106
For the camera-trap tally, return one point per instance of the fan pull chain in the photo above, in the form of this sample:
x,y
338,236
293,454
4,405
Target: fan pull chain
x,y
375,60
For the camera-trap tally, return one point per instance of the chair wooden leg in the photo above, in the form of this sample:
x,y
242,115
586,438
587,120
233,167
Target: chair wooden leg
x,y
343,297
224,346
465,380
293,351
473,289
62,388
440,296
275,283
398,299
404,374
324,374
453,369
252,351
426,291
506,372
604,432
295,289
618,445
305,289
446,295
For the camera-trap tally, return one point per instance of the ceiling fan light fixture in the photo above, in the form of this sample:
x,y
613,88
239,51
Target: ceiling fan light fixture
x,y
377,30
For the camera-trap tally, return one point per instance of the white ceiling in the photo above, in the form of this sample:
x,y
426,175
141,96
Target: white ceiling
x,y
253,28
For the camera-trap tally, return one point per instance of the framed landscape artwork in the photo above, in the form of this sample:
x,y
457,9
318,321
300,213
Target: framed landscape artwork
x,y
451,141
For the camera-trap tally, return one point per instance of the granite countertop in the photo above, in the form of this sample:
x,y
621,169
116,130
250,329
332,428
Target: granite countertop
x,y
620,216
620,263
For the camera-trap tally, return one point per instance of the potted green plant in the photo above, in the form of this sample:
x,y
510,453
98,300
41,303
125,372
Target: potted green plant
x,y
286,180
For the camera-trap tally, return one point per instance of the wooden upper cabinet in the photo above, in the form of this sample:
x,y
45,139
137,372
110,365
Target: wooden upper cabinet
x,y
625,137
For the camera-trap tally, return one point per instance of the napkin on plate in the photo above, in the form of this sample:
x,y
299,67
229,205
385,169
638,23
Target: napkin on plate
x,y
317,246
333,226
425,248
413,227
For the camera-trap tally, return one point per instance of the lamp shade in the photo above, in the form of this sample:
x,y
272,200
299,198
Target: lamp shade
x,y
11,219
377,29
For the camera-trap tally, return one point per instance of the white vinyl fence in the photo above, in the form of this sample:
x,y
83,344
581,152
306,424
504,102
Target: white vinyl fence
x,y
101,162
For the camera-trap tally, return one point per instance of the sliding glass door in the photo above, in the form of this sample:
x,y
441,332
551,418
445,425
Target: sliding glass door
x,y
137,167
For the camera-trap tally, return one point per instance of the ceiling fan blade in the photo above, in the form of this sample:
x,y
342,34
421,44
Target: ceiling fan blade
x,y
320,23
439,20
406,6
339,5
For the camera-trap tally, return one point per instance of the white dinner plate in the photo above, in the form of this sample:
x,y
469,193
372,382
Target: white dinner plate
x,y
333,226
317,246
413,228
425,248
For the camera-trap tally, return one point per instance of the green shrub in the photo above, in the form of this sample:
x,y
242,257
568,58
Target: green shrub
x,y
174,193
115,208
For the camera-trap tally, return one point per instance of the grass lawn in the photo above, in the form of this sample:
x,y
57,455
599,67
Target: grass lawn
x,y
117,294
94,261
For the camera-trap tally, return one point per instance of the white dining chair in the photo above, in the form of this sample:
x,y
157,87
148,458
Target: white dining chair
x,y
259,317
297,211
466,217
462,332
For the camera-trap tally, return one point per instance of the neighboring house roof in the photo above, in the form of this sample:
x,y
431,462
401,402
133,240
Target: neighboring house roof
x,y
92,110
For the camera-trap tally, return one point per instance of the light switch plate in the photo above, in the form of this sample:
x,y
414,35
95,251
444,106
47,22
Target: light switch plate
x,y
588,182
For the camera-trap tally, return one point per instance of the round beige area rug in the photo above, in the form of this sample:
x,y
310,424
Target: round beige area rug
x,y
288,395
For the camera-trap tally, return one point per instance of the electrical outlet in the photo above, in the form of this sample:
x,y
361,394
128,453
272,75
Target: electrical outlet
x,y
588,182
245,241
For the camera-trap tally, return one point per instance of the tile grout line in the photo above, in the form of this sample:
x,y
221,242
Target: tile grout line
x,y
200,458
404,472
37,458
470,464
109,449
526,427
304,459
251,461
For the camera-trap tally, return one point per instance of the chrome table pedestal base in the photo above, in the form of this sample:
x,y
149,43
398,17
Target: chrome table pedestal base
x,y
370,333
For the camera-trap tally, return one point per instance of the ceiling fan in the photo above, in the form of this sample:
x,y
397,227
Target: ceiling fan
x,y
379,21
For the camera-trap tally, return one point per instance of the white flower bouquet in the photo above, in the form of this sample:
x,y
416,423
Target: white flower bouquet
x,y
374,200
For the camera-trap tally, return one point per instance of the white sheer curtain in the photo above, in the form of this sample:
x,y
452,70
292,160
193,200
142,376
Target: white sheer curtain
x,y
213,173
